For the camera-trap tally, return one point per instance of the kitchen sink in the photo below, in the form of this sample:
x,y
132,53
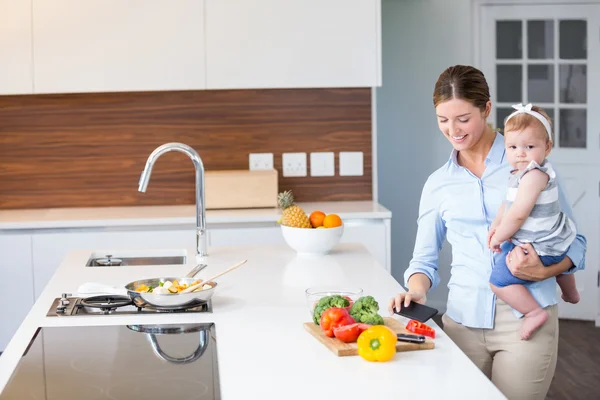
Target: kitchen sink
x,y
133,258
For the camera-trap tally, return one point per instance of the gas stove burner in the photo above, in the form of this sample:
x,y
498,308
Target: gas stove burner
x,y
117,305
106,303
139,303
109,261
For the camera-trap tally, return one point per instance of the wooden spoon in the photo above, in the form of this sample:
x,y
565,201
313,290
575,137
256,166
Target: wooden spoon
x,y
198,285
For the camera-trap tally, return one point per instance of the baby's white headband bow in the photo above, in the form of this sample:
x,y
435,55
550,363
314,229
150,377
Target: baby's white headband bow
x,y
521,109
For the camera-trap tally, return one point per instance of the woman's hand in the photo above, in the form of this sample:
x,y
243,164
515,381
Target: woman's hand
x,y
524,263
404,299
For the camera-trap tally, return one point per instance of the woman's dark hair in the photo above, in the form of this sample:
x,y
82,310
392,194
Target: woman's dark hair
x,y
462,82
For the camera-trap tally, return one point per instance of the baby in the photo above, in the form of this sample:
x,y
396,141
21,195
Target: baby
x,y
530,214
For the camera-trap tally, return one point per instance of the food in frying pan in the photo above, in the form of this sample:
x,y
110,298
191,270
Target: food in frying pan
x,y
169,287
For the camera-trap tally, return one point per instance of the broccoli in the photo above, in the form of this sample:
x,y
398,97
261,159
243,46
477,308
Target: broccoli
x,y
327,302
365,310
372,319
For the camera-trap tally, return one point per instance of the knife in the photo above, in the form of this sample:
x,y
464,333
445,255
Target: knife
x,y
420,339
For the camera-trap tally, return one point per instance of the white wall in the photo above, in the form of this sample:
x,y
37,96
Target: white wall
x,y
420,39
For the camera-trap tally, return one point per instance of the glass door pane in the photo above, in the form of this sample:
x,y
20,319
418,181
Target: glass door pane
x,y
508,39
573,128
573,39
573,83
509,82
540,83
540,40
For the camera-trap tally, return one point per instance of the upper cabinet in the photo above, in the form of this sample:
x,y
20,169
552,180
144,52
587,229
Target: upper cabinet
x,y
16,66
293,43
115,45
75,46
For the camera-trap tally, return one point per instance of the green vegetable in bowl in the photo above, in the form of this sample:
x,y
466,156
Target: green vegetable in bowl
x,y
327,302
365,310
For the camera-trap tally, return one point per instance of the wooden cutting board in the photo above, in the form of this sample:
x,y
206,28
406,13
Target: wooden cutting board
x,y
342,349
240,189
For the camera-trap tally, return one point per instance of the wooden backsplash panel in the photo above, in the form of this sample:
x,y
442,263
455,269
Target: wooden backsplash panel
x,y
88,150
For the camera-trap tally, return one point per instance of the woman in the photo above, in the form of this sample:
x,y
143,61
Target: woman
x,y
459,202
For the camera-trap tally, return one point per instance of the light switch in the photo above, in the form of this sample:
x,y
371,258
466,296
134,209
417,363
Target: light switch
x,y
322,164
351,163
294,164
261,161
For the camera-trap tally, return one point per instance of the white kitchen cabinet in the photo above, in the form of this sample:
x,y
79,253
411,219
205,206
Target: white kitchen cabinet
x,y
374,235
50,248
16,65
245,236
117,46
16,295
293,43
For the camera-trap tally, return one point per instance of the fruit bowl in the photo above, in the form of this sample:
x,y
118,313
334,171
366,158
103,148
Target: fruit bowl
x,y
312,241
314,294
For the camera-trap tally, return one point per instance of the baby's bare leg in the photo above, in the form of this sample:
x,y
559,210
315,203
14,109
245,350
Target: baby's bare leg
x,y
567,284
519,298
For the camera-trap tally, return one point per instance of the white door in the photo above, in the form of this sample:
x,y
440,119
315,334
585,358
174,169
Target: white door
x,y
549,55
583,194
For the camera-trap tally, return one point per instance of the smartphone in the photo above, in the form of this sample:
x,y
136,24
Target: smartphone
x,y
417,311
411,338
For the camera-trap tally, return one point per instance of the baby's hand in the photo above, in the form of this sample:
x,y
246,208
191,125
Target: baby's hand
x,y
494,244
490,235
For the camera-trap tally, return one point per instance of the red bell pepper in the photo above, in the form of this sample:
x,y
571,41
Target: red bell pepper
x,y
350,333
420,328
334,317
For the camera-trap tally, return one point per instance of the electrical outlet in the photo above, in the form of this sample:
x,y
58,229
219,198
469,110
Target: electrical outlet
x,y
261,161
294,164
351,163
322,164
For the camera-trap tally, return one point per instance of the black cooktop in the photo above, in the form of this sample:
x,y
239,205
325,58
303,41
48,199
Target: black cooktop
x,y
177,361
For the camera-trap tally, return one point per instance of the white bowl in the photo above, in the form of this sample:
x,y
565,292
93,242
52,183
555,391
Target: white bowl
x,y
310,241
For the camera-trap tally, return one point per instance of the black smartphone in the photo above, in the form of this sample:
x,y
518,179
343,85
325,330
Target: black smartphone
x,y
417,311
411,338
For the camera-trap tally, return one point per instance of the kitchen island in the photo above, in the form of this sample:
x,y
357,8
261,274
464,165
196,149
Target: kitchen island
x,y
258,311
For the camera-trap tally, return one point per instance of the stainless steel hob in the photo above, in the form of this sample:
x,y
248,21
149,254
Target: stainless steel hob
x,y
65,306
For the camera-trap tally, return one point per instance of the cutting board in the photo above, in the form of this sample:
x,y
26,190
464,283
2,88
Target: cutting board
x,y
240,189
342,349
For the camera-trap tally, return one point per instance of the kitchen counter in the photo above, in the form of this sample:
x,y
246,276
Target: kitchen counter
x,y
258,310
172,215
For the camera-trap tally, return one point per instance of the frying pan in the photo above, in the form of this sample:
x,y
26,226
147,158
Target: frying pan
x,y
161,300
172,300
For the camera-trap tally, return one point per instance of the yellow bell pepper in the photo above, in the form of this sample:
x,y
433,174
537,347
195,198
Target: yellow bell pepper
x,y
378,343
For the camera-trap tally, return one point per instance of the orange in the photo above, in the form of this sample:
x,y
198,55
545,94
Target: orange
x,y
332,221
316,218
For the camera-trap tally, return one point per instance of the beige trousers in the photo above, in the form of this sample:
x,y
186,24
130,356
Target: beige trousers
x,y
520,369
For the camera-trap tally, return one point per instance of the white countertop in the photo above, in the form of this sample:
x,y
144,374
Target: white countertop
x,y
268,293
172,215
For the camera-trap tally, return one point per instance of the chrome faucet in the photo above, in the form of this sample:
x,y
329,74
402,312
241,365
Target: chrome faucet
x,y
201,247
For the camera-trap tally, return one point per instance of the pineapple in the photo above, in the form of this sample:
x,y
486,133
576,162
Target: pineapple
x,y
292,215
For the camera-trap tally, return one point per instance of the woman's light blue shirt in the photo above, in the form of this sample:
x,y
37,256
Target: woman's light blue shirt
x,y
457,205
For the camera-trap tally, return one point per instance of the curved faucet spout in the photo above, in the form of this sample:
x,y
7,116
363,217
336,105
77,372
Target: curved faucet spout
x,y
201,246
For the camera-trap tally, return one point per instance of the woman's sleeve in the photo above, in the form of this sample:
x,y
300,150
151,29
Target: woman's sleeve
x,y
578,248
431,232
